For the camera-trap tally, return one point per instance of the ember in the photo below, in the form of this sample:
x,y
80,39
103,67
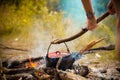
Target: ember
x,y
29,69
26,26
31,64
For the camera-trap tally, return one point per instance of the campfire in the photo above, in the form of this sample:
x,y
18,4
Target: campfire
x,y
56,65
27,70
31,64
39,68
23,70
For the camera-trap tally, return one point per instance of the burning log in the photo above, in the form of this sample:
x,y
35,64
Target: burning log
x,y
21,64
47,73
17,64
31,73
18,70
23,76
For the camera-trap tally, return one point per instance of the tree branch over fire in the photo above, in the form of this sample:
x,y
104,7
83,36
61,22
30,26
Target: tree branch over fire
x,y
84,30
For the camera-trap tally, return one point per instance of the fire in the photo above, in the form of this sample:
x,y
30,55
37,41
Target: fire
x,y
31,64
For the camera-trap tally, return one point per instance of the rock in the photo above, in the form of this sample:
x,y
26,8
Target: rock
x,y
70,76
112,71
113,74
81,70
102,70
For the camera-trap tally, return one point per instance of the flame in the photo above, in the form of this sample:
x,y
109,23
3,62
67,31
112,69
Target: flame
x,y
20,78
31,64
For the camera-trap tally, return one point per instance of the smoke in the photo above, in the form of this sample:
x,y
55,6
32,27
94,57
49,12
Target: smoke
x,y
41,39
73,21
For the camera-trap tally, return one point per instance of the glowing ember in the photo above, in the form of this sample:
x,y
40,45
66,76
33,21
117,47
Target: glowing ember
x,y
31,64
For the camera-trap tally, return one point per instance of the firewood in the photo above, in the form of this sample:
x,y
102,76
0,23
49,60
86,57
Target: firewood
x,y
62,75
18,70
103,48
18,64
24,76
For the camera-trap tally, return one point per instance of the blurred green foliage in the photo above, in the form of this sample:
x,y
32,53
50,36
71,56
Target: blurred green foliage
x,y
18,16
22,18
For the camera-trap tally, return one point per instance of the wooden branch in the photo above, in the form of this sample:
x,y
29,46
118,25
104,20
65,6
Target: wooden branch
x,y
64,75
109,47
18,70
105,48
23,76
79,33
90,45
17,64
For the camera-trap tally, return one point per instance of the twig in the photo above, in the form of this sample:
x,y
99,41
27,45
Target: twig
x,y
104,48
79,33
90,45
109,47
18,76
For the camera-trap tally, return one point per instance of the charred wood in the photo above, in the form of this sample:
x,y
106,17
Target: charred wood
x,y
18,70
17,64
23,76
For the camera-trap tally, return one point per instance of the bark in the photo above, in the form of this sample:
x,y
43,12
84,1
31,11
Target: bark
x,y
17,64
23,76
18,70
109,47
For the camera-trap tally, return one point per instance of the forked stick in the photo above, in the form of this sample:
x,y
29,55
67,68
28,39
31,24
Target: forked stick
x,y
90,45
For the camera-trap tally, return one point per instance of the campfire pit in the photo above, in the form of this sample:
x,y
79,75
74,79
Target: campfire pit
x,y
35,69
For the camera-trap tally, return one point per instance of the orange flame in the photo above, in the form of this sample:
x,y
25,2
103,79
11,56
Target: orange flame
x,y
31,64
